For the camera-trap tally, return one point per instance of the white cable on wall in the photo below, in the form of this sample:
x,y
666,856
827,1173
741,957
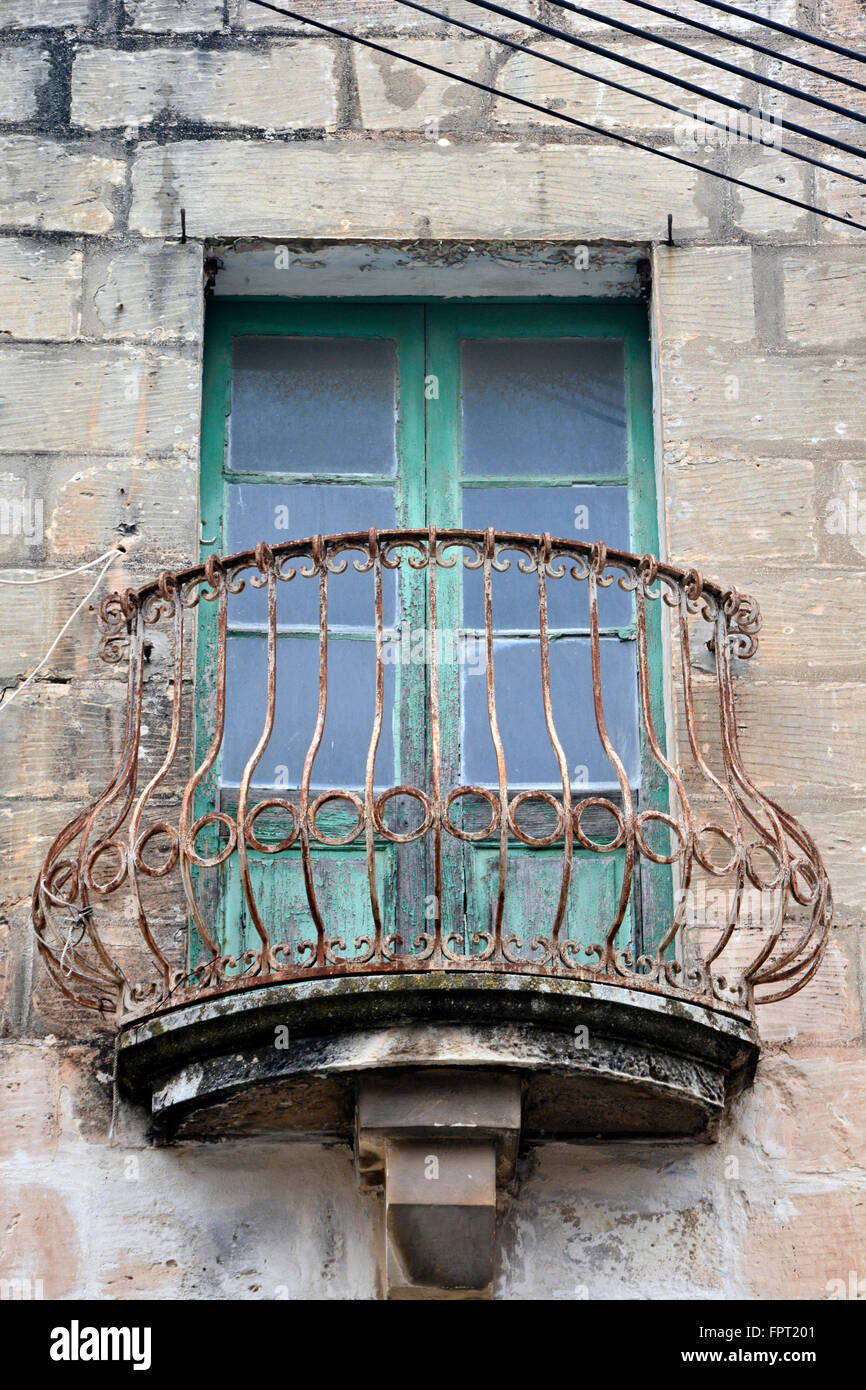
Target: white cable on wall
x,y
107,557
50,578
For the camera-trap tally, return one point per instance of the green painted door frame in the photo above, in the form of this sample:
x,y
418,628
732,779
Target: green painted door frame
x,y
428,486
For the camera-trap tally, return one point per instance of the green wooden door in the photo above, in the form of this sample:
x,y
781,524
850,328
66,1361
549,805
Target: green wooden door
x,y
314,424
541,420
325,417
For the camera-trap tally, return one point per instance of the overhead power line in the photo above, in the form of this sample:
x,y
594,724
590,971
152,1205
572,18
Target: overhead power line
x,y
654,72
557,115
784,29
713,61
621,87
749,43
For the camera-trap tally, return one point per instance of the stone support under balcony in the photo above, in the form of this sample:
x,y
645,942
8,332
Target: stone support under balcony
x,y
595,1061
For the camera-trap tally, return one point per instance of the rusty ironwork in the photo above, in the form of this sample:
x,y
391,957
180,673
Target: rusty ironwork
x,y
107,946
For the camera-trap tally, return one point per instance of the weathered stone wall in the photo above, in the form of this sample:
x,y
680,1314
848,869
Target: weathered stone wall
x,y
113,117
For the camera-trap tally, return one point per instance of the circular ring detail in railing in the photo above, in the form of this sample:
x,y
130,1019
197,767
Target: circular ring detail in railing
x,y
549,800
93,858
350,835
393,835
160,828
765,886
253,815
807,869
212,818
214,573
50,886
470,835
663,819
606,846
702,852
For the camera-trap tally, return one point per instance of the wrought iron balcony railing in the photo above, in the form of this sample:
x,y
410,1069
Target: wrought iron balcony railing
x,y
172,885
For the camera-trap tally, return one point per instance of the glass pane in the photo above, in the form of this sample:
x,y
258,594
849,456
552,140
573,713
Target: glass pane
x,y
274,513
552,406
529,756
572,513
342,756
313,405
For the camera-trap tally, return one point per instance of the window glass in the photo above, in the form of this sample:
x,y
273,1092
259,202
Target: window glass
x,y
342,756
570,513
313,405
529,756
556,405
275,512
534,415
551,409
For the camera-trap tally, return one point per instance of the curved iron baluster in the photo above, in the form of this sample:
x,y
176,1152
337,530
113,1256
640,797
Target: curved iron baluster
x,y
73,889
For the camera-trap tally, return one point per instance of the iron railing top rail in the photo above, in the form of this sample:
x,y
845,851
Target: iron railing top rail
x,y
107,945
447,536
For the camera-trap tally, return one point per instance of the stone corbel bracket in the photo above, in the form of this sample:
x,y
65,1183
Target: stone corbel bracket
x,y
436,1078
443,1145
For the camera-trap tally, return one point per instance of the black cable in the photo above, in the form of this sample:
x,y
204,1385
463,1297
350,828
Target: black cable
x,y
706,58
558,115
785,29
748,43
625,61
619,86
